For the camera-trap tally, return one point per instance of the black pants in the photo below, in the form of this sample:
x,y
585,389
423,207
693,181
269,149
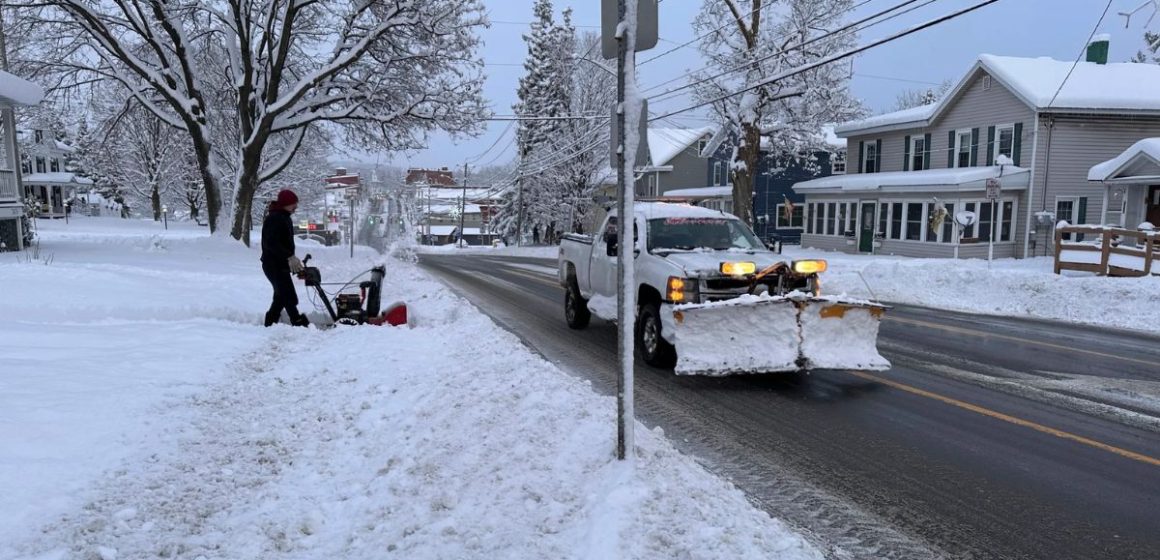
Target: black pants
x,y
285,297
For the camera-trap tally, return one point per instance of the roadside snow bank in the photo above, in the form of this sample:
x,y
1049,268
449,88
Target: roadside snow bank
x,y
1010,287
539,252
448,439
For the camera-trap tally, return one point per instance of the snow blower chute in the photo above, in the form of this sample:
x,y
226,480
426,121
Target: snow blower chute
x,y
765,334
363,308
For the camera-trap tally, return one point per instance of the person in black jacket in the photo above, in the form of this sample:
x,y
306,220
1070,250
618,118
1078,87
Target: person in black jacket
x,y
278,260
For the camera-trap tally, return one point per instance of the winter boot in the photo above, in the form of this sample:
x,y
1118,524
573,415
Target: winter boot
x,y
272,318
300,321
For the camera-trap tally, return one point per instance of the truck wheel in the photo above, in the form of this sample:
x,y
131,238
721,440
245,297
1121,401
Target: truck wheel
x,y
575,307
655,350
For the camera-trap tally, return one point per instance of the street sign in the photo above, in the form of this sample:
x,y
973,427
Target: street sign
x,y
994,189
352,192
646,26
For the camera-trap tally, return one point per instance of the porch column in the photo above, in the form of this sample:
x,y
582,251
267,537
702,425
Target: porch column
x,y
1104,211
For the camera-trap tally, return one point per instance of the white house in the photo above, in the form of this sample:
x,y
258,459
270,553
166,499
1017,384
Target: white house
x,y
14,92
45,176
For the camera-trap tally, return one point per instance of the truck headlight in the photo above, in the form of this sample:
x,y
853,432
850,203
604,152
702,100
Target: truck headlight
x,y
738,268
676,289
812,266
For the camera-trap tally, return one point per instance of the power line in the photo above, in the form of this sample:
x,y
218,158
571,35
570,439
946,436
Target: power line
x,y
1081,53
832,34
834,58
493,144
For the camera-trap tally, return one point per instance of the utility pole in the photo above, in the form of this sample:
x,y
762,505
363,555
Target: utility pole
x,y
351,223
520,202
462,204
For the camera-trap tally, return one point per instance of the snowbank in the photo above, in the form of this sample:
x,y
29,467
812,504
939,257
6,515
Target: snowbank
x,y
539,252
146,414
1010,287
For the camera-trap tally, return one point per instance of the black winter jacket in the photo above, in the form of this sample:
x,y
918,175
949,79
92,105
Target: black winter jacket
x,y
277,239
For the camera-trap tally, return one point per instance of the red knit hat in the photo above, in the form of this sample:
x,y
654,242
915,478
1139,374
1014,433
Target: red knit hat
x,y
286,198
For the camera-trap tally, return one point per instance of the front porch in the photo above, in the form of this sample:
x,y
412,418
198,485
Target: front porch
x,y
1131,186
913,213
54,191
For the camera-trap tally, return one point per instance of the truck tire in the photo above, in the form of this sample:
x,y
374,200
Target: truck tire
x,y
576,311
654,349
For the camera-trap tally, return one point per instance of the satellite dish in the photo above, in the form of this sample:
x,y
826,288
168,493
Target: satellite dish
x,y
965,218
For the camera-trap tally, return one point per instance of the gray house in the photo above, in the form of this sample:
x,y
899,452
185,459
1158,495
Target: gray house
x,y
1035,125
14,92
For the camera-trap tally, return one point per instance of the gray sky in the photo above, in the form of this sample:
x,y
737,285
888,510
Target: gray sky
x,y
1054,28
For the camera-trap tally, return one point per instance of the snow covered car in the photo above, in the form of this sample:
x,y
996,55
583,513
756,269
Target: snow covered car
x,y
713,300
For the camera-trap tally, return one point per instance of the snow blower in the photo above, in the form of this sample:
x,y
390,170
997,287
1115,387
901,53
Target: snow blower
x,y
363,308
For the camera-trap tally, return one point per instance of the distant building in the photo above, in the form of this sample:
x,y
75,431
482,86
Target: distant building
x,y
44,164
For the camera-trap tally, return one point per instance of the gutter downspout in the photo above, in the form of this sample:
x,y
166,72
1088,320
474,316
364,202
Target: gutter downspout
x,y
1047,172
1031,186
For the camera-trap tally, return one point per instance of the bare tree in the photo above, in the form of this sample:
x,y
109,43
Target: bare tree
x,y
385,72
789,112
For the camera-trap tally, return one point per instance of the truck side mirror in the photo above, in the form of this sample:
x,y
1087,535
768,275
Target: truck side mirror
x,y
610,243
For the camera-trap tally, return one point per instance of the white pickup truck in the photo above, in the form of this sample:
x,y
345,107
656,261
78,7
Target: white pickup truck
x,y
711,298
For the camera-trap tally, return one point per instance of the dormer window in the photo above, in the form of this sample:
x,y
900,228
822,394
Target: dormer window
x,y
38,136
54,165
40,166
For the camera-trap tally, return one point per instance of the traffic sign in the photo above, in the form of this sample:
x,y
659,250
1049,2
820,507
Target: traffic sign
x,y
994,189
646,26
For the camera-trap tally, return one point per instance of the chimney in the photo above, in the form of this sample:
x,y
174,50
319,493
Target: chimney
x,y
338,172
1097,50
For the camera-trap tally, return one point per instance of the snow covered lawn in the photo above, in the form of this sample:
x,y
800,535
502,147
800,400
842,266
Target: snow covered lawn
x,y
145,413
1012,287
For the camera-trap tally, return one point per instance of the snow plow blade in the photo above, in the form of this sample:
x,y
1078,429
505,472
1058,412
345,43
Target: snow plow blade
x,y
763,334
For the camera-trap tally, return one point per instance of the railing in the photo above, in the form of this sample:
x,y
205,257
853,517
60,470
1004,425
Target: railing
x,y
8,185
1113,251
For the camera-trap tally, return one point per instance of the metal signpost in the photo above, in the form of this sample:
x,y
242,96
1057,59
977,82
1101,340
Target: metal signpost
x,y
614,42
351,194
994,191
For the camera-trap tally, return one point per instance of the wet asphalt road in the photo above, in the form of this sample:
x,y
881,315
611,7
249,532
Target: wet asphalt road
x,y
940,457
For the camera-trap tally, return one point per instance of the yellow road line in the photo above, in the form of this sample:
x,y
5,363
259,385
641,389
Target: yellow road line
x,y
1011,419
963,330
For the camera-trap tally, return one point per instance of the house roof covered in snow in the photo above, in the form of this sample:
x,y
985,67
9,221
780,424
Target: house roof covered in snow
x,y
937,180
57,178
1140,161
435,177
1118,88
18,91
664,144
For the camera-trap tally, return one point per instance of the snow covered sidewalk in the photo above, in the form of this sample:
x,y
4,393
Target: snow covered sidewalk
x,y
159,420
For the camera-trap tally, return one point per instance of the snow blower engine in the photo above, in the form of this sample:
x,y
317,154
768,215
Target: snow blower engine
x,y
363,308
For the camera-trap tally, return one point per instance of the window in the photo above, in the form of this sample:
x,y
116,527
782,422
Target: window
x,y
917,152
1007,214
931,233
896,220
701,146
838,163
796,218
719,173
843,216
1065,209
986,210
948,226
40,163
818,212
831,218
883,214
1004,142
38,136
970,231
25,167
963,148
54,165
914,221
870,157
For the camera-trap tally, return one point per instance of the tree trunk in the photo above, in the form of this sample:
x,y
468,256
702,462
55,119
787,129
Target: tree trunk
x,y
745,172
244,197
155,197
205,165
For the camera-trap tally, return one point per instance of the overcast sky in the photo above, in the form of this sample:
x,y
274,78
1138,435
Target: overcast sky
x,y
1054,28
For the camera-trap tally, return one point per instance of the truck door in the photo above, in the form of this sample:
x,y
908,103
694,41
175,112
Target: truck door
x,y
602,268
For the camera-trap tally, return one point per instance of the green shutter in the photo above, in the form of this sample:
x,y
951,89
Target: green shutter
x,y
990,146
1081,215
950,149
1017,143
861,154
926,152
906,154
974,147
878,156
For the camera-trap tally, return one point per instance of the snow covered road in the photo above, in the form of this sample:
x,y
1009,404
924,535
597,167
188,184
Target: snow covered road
x,y
145,414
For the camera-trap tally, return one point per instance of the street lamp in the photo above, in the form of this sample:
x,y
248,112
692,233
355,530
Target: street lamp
x,y
165,215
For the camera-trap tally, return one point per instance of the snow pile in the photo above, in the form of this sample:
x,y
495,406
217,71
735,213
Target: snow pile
x,y
151,423
541,252
1011,287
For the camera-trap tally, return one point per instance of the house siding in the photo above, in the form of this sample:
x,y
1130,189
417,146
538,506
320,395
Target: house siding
x,y
1068,148
689,171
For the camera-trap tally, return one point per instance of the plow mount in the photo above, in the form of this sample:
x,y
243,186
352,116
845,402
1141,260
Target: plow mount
x,y
766,334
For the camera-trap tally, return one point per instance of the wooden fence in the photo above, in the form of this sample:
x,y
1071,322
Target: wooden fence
x,y
1107,251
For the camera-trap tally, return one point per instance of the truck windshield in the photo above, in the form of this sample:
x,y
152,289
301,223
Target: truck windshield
x,y
689,234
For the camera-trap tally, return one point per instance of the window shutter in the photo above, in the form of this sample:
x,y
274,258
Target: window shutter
x,y
974,147
1081,215
906,154
990,146
926,151
1017,143
950,149
878,155
861,154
